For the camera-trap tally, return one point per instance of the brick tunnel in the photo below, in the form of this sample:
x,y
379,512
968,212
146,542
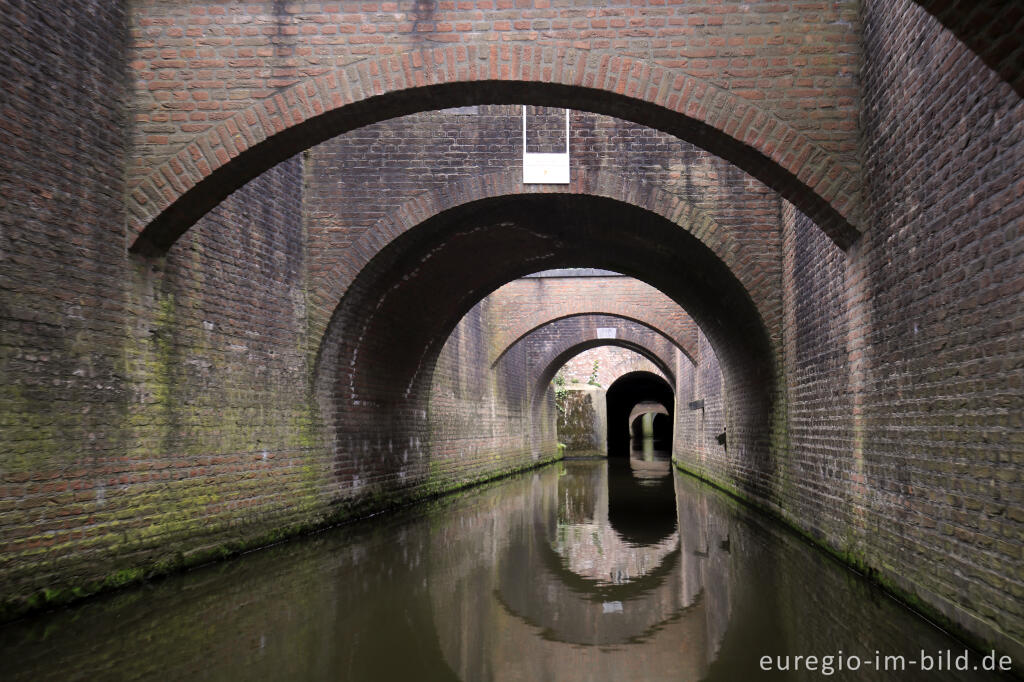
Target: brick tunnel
x,y
269,267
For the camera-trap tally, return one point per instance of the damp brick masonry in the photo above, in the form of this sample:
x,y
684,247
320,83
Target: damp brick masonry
x,y
228,313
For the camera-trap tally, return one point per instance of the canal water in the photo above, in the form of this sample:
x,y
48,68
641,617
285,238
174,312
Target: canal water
x,y
620,569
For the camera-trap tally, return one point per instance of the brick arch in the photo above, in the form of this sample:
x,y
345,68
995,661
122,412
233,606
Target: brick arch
x,y
375,368
686,342
207,169
558,340
572,350
527,304
588,182
989,28
541,394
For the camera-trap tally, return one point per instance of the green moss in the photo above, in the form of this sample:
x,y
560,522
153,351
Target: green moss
x,y
372,503
31,428
846,555
125,576
164,366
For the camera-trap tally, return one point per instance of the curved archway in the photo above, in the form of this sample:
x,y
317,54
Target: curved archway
x,y
648,407
988,28
686,346
375,365
182,189
657,425
623,396
587,182
653,346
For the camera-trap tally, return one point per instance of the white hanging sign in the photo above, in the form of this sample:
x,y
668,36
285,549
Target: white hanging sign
x,y
546,169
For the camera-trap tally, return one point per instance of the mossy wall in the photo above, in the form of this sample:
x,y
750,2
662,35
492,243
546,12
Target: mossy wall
x,y
583,420
156,411
216,443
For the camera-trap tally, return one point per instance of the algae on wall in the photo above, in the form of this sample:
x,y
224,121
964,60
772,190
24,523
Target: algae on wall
x,y
583,420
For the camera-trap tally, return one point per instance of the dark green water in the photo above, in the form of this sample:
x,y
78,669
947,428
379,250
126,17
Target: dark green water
x,y
584,570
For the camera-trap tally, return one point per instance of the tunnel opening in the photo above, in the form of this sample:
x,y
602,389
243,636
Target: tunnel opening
x,y
635,402
377,360
649,420
582,425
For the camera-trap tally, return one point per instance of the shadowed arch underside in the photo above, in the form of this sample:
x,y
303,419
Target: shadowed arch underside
x,y
686,345
182,190
624,395
375,365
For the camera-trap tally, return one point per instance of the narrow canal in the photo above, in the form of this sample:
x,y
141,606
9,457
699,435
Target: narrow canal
x,y
618,569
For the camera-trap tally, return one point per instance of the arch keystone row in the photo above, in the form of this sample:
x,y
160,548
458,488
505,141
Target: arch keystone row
x,y
177,192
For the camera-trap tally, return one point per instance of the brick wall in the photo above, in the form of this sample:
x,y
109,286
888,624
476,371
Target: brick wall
x,y
902,355
215,84
937,392
216,444
696,428
611,363
224,442
219,388
481,418
822,480
63,400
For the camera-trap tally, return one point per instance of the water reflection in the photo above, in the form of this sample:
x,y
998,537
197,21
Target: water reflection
x,y
643,450
582,570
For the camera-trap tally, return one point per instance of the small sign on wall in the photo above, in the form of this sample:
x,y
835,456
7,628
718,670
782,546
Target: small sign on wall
x,y
607,332
546,169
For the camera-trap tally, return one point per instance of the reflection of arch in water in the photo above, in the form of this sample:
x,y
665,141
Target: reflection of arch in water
x,y
650,472
556,633
588,544
601,591
486,619
641,509
579,610
573,604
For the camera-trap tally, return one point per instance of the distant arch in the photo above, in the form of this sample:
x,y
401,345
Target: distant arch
x,y
688,347
504,186
625,395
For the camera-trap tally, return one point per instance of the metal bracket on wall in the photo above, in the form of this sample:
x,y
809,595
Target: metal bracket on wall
x,y
697,404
